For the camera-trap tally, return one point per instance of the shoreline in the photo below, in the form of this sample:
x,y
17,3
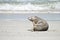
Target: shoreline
x,y
28,11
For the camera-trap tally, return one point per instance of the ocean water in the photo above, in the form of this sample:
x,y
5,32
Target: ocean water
x,y
51,17
29,6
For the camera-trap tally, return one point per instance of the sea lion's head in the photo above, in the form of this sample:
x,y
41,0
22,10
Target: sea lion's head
x,y
33,18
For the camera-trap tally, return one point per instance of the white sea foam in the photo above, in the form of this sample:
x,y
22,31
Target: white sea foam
x,y
30,8
22,7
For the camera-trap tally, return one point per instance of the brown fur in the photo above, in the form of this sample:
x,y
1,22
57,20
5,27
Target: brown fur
x,y
38,23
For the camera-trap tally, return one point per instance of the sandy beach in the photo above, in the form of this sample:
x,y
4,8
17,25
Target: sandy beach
x,y
17,26
18,30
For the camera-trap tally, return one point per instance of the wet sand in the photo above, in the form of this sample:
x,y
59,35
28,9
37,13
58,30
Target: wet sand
x,y
18,30
30,11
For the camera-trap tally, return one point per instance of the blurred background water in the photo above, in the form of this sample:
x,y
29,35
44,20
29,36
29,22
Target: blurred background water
x,y
49,17
29,5
28,1
11,4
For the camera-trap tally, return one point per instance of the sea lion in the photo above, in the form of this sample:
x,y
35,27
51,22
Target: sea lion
x,y
39,24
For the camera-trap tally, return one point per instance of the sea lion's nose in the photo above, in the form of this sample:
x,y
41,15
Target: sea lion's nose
x,y
29,18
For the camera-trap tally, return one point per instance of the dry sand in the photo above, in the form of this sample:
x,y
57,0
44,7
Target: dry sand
x,y
18,30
